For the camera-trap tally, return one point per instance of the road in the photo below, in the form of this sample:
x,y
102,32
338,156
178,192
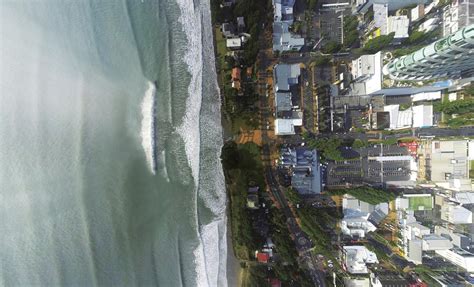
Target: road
x,y
302,242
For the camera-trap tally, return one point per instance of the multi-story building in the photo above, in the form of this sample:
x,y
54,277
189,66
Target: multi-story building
x,y
452,56
458,14
367,74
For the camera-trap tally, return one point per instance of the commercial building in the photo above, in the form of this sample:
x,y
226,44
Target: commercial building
x,y
356,259
447,160
305,169
286,79
458,14
460,257
362,6
361,217
367,74
417,117
455,214
450,56
285,127
284,40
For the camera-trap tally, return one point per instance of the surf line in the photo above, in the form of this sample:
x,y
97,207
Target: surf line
x,y
148,126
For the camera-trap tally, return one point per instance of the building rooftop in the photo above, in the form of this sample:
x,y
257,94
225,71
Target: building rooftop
x,y
283,101
398,25
422,116
356,258
284,40
285,75
367,74
449,159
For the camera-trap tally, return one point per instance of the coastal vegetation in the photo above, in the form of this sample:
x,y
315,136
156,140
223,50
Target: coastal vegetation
x,y
242,167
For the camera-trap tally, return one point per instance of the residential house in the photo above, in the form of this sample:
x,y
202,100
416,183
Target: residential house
x,y
236,78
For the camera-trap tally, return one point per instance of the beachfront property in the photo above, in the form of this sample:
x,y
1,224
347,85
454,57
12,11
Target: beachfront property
x,y
451,56
304,169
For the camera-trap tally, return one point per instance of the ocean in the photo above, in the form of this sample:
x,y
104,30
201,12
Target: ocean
x,y
110,137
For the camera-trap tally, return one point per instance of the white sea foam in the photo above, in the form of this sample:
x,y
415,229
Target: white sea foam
x,y
148,126
164,168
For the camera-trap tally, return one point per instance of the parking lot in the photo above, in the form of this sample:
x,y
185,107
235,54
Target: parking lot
x,y
360,168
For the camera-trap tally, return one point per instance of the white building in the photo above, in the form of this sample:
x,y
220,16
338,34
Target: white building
x,y
398,25
283,11
459,257
234,43
448,160
367,74
356,259
433,242
455,214
422,116
361,217
285,127
457,15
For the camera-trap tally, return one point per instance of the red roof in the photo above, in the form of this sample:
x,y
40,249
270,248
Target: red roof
x,y
262,257
411,146
236,74
275,282
418,284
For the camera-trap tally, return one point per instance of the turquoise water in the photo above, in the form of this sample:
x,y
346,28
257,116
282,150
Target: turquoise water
x,y
109,143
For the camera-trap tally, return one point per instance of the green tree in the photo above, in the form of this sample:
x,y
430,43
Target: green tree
x,y
331,47
379,43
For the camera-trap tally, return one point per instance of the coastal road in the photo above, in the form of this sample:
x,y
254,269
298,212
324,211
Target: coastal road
x,y
302,241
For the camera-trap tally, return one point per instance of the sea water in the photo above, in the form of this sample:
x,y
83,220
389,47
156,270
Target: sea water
x,y
109,145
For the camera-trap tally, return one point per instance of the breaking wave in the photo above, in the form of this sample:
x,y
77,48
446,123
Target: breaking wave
x,y
148,126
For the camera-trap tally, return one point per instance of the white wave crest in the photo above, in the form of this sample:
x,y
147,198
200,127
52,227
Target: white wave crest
x,y
148,126
190,19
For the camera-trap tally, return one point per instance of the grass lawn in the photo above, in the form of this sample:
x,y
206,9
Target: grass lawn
x,y
421,203
471,169
221,48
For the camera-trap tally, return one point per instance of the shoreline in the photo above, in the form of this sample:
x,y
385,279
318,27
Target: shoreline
x,y
233,268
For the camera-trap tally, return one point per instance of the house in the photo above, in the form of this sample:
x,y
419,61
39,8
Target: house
x,y
236,78
283,102
253,189
275,282
361,217
252,201
283,11
234,43
228,30
240,25
262,257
